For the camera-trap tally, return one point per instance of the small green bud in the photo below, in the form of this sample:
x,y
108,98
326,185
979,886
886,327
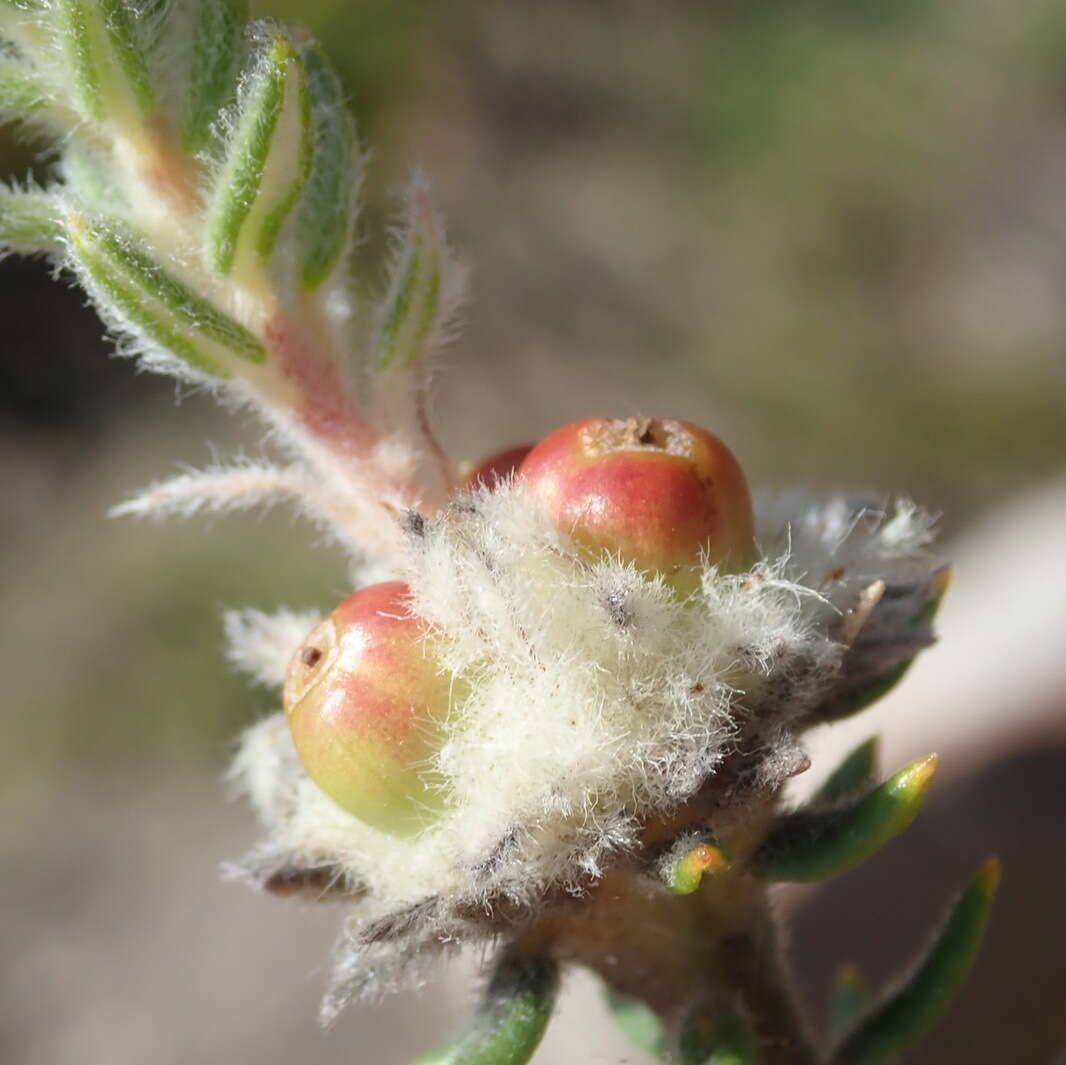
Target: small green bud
x,y
685,873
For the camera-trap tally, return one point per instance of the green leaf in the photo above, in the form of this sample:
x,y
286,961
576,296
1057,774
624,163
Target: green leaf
x,y
267,160
811,845
326,215
856,773
277,208
142,293
413,304
212,77
121,34
847,1000
29,222
861,698
923,998
637,1022
511,1019
106,58
130,258
144,317
74,23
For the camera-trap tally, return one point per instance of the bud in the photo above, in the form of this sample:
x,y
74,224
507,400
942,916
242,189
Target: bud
x,y
366,702
660,493
496,468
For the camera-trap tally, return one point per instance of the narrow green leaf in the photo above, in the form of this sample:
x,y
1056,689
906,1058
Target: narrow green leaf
x,y
848,998
29,222
326,215
637,1022
121,35
862,698
413,301
74,23
511,1019
856,773
142,315
187,306
278,207
921,1000
153,302
811,845
257,184
212,78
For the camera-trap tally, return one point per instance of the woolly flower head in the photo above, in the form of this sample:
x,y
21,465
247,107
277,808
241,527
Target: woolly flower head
x,y
590,701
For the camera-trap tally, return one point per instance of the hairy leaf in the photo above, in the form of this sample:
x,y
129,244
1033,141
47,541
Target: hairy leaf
x,y
121,34
212,78
511,1019
29,221
424,288
267,160
326,215
74,23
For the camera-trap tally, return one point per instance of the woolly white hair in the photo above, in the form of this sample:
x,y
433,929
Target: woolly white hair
x,y
588,697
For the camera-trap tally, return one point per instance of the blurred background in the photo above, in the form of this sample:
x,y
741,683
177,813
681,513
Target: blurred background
x,y
833,231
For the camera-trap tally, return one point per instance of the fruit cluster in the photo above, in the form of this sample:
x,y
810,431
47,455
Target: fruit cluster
x,y
364,697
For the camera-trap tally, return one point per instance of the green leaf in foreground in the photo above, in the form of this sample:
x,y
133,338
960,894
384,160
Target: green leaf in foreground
x,y
511,1019
924,997
807,845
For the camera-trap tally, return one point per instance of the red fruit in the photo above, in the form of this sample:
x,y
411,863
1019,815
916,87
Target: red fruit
x,y
366,704
497,467
657,491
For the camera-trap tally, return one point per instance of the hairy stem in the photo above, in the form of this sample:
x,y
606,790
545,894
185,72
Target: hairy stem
x,y
755,963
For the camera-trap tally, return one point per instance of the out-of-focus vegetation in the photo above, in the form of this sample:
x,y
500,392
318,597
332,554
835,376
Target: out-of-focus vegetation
x,y
832,230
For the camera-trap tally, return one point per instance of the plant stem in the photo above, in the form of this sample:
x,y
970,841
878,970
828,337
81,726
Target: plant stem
x,y
755,963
